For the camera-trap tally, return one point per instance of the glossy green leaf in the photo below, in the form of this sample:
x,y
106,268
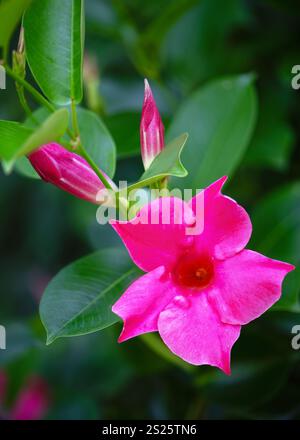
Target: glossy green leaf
x,y
12,136
37,117
97,140
276,233
24,167
54,34
18,140
273,139
10,14
167,163
22,164
53,128
219,118
79,299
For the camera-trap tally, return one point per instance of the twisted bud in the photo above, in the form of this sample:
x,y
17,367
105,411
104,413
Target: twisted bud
x,y
151,129
67,170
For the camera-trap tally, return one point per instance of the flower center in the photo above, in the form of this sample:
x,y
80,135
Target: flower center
x,y
194,271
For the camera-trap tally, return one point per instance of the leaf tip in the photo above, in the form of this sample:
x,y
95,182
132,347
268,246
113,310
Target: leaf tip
x,y
50,339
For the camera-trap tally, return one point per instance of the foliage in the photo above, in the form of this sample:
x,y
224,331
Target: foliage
x,y
221,73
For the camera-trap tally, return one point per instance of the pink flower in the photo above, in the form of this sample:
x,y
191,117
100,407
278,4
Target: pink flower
x,y
151,129
66,170
32,402
199,289
3,386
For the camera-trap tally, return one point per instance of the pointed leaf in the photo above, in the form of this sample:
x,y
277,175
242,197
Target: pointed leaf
x,y
18,140
276,233
12,136
219,118
79,299
54,33
167,163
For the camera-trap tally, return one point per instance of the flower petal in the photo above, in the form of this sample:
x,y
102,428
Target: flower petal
x,y
156,235
247,285
227,227
141,304
193,331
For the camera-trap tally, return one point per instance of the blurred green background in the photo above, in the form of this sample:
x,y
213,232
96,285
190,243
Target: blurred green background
x,y
178,45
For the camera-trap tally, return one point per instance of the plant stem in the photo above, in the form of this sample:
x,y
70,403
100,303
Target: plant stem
x,y
24,104
92,164
74,119
75,136
37,95
83,151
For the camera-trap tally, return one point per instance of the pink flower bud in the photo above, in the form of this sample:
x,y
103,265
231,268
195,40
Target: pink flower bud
x,y
151,129
66,170
33,401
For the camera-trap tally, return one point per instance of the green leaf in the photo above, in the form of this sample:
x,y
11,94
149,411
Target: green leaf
x,y
276,233
24,167
97,140
22,164
12,136
79,299
272,146
124,128
18,140
53,128
273,138
10,14
37,117
167,163
219,118
54,34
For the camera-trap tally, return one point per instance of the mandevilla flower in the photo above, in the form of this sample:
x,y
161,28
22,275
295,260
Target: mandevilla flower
x,y
66,170
199,289
31,403
3,386
151,129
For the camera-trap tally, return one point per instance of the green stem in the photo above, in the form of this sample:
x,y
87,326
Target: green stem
x,y
24,104
75,136
74,119
37,95
82,151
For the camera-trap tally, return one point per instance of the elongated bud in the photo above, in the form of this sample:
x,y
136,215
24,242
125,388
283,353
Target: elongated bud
x,y
19,59
151,129
66,170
